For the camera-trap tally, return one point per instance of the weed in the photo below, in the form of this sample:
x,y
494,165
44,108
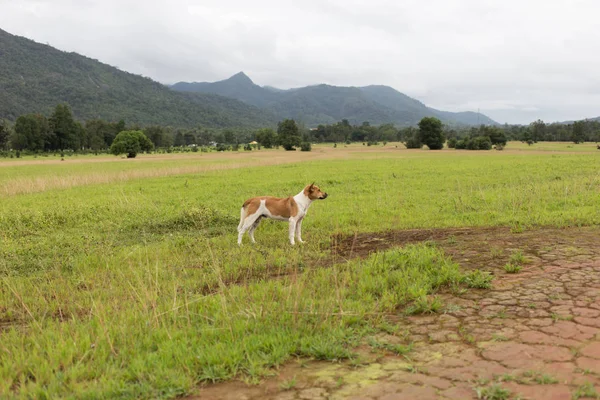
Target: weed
x,y
517,258
511,268
499,338
479,280
586,390
288,384
559,317
425,305
496,252
493,392
545,379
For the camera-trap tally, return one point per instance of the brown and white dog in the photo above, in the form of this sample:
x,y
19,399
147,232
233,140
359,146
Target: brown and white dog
x,y
292,209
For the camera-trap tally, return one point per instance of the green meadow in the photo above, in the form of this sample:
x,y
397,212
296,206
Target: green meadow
x,y
123,279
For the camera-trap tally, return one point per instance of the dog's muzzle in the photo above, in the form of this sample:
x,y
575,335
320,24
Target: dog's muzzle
x,y
324,196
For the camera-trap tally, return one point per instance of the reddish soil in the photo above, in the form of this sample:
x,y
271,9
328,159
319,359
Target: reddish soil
x,y
535,334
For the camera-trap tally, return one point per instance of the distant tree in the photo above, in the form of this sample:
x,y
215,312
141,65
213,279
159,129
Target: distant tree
x,y
495,134
160,136
431,133
527,137
305,146
30,133
578,134
414,141
96,132
287,134
63,129
189,138
538,130
229,136
452,143
266,137
179,140
130,143
119,127
4,134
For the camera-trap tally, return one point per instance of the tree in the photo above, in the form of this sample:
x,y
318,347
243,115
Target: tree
x,y
229,136
130,143
287,134
578,135
31,133
495,134
538,130
96,132
431,133
179,140
189,138
527,136
4,133
63,129
266,137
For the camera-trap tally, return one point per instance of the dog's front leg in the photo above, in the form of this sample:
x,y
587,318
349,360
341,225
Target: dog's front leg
x,y
292,230
299,230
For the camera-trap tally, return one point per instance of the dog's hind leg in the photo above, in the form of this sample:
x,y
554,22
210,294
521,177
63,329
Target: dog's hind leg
x,y
246,225
253,228
241,224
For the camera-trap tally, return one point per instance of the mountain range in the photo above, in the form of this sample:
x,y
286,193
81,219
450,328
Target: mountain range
x,y
36,77
320,104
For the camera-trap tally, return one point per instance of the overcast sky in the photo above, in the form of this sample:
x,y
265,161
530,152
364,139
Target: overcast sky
x,y
515,60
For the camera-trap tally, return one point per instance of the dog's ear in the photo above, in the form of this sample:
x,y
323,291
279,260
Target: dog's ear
x,y
311,186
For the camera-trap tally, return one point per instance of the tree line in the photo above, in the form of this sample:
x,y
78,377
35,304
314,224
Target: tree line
x,y
60,132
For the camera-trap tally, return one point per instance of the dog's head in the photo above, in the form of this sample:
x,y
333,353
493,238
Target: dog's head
x,y
313,192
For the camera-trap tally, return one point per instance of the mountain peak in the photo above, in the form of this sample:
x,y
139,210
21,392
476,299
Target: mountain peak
x,y
241,77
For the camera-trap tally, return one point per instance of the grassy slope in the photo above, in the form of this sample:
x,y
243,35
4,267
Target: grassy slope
x,y
121,288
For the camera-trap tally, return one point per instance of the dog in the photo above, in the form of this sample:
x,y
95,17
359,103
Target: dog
x,y
292,209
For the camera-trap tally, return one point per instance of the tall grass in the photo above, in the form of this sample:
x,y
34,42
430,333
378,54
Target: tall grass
x,y
136,288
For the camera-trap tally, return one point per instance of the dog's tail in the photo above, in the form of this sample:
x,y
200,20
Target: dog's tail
x,y
242,218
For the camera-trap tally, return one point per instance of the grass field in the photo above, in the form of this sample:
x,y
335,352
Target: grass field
x,y
122,278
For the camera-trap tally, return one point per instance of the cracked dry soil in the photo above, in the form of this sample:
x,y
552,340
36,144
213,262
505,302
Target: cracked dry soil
x,y
535,334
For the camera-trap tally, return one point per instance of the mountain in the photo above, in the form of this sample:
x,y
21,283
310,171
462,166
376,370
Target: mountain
x,y
35,78
320,104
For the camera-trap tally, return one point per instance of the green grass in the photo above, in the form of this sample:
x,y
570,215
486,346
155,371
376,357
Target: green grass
x,y
135,288
517,258
493,392
587,391
512,268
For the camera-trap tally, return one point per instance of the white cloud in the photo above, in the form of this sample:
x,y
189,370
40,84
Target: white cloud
x,y
515,60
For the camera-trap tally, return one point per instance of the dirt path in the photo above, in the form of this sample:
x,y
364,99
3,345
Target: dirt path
x,y
534,335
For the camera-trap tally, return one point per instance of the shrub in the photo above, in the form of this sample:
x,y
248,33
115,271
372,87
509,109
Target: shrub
x,y
130,143
431,133
305,146
413,143
452,143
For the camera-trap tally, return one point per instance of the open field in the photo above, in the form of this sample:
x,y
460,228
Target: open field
x,y
122,278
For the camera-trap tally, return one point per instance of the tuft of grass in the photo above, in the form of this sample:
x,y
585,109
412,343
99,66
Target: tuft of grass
x,y
493,392
517,258
398,349
559,317
587,391
499,338
288,384
478,279
425,305
545,379
511,268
